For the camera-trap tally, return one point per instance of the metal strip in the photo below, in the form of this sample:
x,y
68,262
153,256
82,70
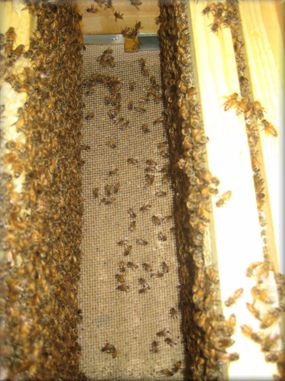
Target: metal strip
x,y
148,41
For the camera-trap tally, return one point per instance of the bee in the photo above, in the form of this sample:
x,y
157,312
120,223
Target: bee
x,y
260,294
89,116
111,143
163,333
276,356
232,299
223,199
149,179
269,129
116,188
269,342
108,189
158,120
212,274
107,200
127,250
131,213
147,267
139,109
173,313
231,101
252,309
95,192
120,278
130,105
164,267
118,15
113,172
132,86
122,267
109,348
123,287
160,193
166,372
156,220
141,242
154,347
270,318
132,265
132,161
170,342
123,242
145,128
162,237
252,267
177,366
231,321
257,109
132,226
145,206
144,284
92,9
85,147
136,3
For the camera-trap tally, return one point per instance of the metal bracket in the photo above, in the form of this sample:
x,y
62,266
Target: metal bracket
x,y
148,41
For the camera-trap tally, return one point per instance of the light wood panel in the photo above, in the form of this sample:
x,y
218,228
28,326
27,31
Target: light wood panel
x,y
237,230
103,22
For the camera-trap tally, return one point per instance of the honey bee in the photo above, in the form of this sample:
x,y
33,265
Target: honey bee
x,y
163,333
132,226
276,356
269,342
92,9
270,318
127,250
89,116
111,143
109,348
123,242
158,120
123,287
166,372
120,278
132,161
149,179
132,265
173,313
132,86
223,199
131,213
160,193
118,15
260,294
145,128
139,108
144,284
231,101
232,299
130,105
107,200
253,310
122,267
154,347
257,110
113,171
170,342
164,267
136,3
95,192
269,129
145,206
141,242
162,237
252,267
177,366
156,220
147,267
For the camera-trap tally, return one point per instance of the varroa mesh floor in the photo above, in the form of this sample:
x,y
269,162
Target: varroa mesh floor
x,y
127,299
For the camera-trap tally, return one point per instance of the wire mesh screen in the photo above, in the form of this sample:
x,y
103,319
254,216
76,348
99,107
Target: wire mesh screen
x,y
129,281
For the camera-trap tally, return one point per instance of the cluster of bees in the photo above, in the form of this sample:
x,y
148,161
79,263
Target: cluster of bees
x,y
224,15
108,4
41,223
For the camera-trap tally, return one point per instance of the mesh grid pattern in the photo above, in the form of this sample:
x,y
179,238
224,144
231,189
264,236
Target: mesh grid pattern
x,y
127,320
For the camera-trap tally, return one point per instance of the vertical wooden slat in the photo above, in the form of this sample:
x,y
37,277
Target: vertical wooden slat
x,y
237,230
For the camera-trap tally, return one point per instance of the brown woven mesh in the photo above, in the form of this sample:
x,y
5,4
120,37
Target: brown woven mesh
x,y
127,320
